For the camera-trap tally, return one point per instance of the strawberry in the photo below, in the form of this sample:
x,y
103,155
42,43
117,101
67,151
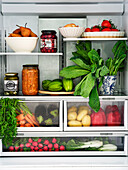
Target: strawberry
x,y
50,150
40,145
21,145
88,30
45,148
39,140
114,29
36,148
56,149
46,142
56,145
32,151
49,145
106,29
54,140
106,24
21,149
95,29
40,150
62,148
30,140
11,148
34,143
28,145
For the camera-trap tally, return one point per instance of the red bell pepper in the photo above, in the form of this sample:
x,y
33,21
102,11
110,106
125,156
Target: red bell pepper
x,y
98,119
113,115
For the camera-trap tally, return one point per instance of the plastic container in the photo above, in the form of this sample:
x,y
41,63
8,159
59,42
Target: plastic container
x,y
30,77
48,41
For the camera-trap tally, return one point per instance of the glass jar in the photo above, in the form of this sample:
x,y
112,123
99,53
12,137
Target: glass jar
x,y
48,41
30,78
11,84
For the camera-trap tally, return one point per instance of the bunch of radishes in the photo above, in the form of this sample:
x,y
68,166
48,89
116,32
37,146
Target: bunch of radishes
x,y
39,145
106,25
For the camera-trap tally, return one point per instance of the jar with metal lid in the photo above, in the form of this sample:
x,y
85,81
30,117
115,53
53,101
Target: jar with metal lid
x,y
48,41
11,84
30,78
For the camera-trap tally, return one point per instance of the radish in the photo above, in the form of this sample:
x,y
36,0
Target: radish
x,y
31,147
46,142
16,148
54,140
11,148
28,145
40,145
50,146
62,148
45,148
36,148
30,140
39,140
21,145
56,145
34,143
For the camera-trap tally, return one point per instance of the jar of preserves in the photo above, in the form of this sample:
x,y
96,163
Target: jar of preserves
x,y
30,78
48,41
11,84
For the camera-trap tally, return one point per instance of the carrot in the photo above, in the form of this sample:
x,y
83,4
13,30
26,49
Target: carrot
x,y
34,118
33,121
22,122
21,125
20,117
29,121
27,125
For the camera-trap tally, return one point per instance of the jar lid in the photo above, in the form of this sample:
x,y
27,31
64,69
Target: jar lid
x,y
31,65
11,74
48,31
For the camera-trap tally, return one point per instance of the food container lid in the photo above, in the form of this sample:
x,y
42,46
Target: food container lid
x,y
48,31
31,65
11,74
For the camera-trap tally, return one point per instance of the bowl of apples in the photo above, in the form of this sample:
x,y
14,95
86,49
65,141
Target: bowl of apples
x,y
22,40
71,30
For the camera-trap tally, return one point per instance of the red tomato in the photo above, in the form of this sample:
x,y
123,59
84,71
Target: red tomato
x,y
94,29
106,29
88,30
106,24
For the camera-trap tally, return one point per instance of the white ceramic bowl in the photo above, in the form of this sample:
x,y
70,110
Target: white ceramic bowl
x,y
22,44
71,32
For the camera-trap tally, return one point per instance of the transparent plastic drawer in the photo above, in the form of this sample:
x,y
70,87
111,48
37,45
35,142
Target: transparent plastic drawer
x,y
78,116
67,144
45,116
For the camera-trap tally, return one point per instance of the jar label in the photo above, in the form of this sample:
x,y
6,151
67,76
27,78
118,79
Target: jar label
x,y
10,85
48,43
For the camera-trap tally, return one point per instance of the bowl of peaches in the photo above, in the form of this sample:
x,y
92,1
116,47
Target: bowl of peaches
x,y
71,31
22,40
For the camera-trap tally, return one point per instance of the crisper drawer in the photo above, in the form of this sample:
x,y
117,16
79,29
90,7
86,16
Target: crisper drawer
x,y
78,116
47,116
67,144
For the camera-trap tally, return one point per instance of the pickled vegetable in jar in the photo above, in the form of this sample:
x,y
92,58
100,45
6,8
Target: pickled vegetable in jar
x,y
11,84
30,78
48,41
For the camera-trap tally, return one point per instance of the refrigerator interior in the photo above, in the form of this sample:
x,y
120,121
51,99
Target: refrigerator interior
x,y
50,65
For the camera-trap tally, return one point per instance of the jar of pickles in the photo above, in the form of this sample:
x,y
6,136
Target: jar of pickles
x,y
30,78
11,84
48,41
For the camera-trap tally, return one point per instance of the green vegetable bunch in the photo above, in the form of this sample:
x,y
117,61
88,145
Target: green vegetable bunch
x,y
8,122
91,66
116,64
